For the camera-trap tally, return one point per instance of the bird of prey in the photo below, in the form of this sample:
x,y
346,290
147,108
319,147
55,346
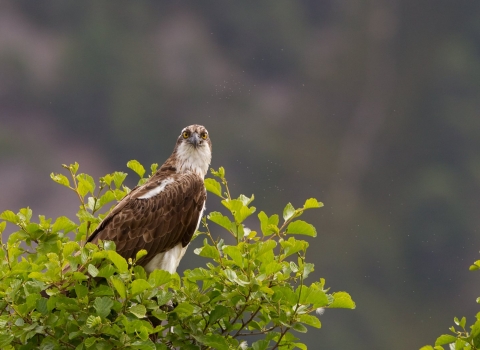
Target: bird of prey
x,y
162,215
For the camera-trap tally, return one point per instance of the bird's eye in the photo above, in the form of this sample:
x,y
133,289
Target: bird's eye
x,y
204,135
186,134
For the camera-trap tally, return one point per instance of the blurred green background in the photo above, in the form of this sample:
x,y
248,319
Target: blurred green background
x,y
370,106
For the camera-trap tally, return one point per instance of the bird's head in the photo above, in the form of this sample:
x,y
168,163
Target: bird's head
x,y
194,149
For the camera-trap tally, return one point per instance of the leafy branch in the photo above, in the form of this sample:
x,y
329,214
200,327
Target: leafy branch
x,y
461,338
253,287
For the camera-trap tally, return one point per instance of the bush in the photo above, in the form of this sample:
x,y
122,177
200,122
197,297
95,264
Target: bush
x,y
56,293
461,338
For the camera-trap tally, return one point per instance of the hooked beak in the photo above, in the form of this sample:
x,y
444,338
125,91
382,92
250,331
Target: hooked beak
x,y
194,139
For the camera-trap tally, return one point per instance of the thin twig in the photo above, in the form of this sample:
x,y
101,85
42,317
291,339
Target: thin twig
x,y
252,316
284,331
257,333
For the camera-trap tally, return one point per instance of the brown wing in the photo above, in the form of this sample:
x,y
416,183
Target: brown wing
x,y
158,223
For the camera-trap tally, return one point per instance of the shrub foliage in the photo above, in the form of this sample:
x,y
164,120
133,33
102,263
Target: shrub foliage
x,y
462,337
57,293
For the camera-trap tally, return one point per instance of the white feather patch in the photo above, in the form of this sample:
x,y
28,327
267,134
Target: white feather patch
x,y
196,159
157,189
168,260
200,217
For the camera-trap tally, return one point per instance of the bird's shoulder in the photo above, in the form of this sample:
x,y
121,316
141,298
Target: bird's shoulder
x,y
162,190
167,184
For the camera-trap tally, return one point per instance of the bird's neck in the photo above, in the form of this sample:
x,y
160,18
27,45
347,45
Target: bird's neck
x,y
192,159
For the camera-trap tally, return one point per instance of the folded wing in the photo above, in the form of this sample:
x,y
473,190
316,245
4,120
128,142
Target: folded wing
x,y
154,218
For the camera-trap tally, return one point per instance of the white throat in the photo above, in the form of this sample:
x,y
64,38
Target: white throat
x,y
193,159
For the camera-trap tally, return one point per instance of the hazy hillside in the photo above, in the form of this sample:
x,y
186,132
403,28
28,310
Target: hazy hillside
x,y
370,106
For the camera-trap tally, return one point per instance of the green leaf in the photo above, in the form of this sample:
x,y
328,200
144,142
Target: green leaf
x,y
73,167
312,295
215,341
220,173
288,211
60,179
139,286
221,220
51,302
266,248
81,290
144,345
48,343
69,248
106,198
301,346
42,306
445,339
213,186
300,227
268,224
136,167
284,293
118,178
271,268
310,320
476,331
159,277
312,203
86,184
153,168
235,253
90,341
239,211
103,306
139,272
307,268
106,271
119,262
232,276
25,214
3,225
5,339
93,321
109,245
292,246
9,216
92,270
463,321
219,312
300,328
261,344
140,254
184,309
245,200
78,276
63,224
138,310
119,286
85,215
475,266
342,300
207,251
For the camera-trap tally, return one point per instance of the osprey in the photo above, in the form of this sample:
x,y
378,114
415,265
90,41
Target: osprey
x,y
162,215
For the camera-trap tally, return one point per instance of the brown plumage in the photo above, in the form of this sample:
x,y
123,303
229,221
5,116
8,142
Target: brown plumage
x,y
162,215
